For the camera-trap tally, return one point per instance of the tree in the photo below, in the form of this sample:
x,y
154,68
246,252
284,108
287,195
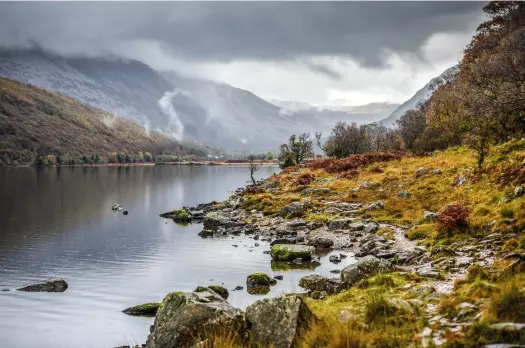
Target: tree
x,y
412,125
269,156
254,166
296,150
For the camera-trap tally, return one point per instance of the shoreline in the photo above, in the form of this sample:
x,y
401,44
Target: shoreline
x,y
149,164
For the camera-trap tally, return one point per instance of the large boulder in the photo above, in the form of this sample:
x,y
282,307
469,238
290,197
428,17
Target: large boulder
x,y
186,319
290,252
214,219
316,282
279,322
295,209
366,267
51,285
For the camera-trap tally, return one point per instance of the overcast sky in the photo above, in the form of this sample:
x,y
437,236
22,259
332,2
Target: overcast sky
x,y
318,52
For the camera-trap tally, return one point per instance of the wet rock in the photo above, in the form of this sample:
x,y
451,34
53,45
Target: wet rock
x,y
279,322
186,319
404,194
430,216
256,237
314,225
125,212
238,288
428,271
295,209
334,258
146,309
343,256
340,224
460,180
284,241
116,207
278,277
178,215
207,233
375,206
335,271
297,223
220,290
320,242
519,191
356,226
289,252
371,227
364,268
51,285
213,220
421,171
259,279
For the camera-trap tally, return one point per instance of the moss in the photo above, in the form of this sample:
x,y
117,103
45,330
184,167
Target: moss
x,y
258,290
507,213
421,232
146,309
289,252
258,279
220,290
279,266
178,215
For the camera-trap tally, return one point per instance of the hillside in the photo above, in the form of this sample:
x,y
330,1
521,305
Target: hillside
x,y
36,122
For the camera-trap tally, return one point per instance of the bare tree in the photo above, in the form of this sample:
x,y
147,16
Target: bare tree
x,y
254,166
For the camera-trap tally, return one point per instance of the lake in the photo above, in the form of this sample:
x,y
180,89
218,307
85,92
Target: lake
x,y
58,222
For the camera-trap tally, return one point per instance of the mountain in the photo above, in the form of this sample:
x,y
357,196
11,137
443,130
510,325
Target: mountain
x,y
422,95
207,112
35,121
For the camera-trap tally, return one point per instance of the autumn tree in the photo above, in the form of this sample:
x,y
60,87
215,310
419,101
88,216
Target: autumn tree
x,y
296,150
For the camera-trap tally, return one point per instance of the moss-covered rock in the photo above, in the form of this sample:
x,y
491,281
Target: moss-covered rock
x,y
221,290
258,279
206,233
289,252
146,309
178,215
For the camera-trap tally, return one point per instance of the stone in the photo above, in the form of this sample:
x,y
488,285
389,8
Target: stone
x,y
271,184
343,256
278,277
178,215
115,207
375,206
335,271
460,180
314,225
403,194
310,191
320,242
508,327
340,224
214,220
279,322
366,267
296,223
368,184
421,171
318,295
356,189
220,290
51,285
519,191
371,227
284,241
207,233
295,209
238,288
290,252
356,226
428,271
125,212
186,319
430,216
334,259
258,279
320,283
437,172
146,309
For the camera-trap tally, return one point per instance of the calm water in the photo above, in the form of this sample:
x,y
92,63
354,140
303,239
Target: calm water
x,y
57,222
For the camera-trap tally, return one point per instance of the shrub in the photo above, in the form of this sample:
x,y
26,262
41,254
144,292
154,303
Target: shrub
x,y
305,179
453,218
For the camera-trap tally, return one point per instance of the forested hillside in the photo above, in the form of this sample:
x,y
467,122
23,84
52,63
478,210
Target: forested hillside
x,y
43,127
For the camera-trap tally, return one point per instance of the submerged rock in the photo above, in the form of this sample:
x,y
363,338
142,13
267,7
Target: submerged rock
x,y
146,309
51,285
178,215
366,267
279,322
259,279
290,252
187,319
116,207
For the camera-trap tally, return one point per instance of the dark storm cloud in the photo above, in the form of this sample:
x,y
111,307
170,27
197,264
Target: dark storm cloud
x,y
215,31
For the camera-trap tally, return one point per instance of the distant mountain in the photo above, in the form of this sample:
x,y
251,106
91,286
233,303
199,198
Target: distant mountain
x,y
37,121
207,112
422,95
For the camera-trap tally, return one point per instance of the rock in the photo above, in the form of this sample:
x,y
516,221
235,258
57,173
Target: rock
x,y
125,212
460,180
258,290
421,171
146,309
404,194
437,172
368,184
430,216
343,256
371,227
290,252
220,290
356,226
178,215
279,322
519,191
51,285
508,327
256,237
207,233
320,283
278,277
340,224
284,241
334,258
238,287
271,184
335,271
318,295
428,271
296,209
5,290
375,206
186,319
310,191
364,268
259,279
320,242
356,189
115,207
214,220
297,223
314,225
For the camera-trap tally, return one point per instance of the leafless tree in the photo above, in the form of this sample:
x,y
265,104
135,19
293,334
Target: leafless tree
x,y
254,166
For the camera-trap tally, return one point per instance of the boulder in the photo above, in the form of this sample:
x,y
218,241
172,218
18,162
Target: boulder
x,y
290,252
259,279
320,283
145,310
206,233
356,226
178,215
430,216
186,319
404,194
116,207
371,227
214,219
279,322
460,180
340,224
366,267
519,191
51,285
284,241
421,171
320,242
220,290
295,209
375,206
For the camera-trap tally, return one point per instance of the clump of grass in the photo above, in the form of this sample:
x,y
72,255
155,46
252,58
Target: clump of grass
x,y
305,179
341,335
507,213
511,244
508,303
381,311
420,232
